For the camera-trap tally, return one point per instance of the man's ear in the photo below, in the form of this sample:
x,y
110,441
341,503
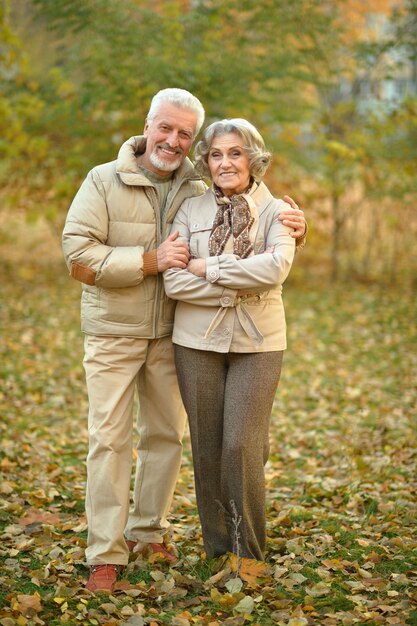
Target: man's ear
x,y
145,128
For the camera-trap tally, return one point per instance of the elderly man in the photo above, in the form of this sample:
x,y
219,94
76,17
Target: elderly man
x,y
116,244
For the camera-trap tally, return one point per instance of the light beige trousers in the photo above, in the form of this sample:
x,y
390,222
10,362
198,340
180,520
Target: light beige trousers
x,y
115,367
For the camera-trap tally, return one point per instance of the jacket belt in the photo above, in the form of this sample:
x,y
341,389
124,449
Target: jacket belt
x,y
243,316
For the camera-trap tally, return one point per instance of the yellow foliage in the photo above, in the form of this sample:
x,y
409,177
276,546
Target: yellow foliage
x,y
250,570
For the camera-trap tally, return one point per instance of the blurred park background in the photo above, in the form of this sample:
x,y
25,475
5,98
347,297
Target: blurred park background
x,y
331,84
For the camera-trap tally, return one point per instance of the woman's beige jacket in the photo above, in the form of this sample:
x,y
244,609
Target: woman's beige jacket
x,y
238,306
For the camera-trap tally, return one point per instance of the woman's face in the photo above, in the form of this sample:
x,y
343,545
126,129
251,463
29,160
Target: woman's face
x,y
229,164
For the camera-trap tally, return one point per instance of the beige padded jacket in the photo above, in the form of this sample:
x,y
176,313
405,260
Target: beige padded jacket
x,y
238,306
110,238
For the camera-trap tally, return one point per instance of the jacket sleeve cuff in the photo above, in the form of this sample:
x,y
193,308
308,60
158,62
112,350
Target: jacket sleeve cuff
x,y
150,263
212,269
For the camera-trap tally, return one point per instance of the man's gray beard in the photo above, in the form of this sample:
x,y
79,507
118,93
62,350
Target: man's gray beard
x,y
162,165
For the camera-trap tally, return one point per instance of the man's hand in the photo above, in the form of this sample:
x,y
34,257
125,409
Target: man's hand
x,y
172,253
294,218
197,267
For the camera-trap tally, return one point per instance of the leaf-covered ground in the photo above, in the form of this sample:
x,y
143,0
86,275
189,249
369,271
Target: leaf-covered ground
x,y
341,480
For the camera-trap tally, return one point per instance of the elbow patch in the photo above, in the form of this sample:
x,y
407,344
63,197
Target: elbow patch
x,y
83,273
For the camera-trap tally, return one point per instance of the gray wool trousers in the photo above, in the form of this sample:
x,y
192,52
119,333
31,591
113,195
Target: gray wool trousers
x,y
228,398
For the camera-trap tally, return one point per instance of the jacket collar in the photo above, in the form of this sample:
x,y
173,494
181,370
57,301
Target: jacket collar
x,y
130,173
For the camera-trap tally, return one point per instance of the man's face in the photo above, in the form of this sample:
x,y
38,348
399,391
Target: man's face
x,y
169,136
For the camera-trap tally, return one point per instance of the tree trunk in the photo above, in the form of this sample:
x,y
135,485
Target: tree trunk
x,y
337,224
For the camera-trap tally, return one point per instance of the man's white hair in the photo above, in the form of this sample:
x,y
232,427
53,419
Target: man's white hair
x,y
181,98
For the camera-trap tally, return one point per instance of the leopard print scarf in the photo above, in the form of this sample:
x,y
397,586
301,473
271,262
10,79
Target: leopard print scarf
x,y
235,224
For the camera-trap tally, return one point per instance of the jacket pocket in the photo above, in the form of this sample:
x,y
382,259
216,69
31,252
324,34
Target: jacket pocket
x,y
130,305
199,237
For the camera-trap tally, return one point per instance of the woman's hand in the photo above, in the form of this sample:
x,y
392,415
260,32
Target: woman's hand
x,y
197,267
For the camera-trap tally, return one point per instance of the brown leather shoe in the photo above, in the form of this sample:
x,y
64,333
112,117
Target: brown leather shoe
x,y
147,549
103,577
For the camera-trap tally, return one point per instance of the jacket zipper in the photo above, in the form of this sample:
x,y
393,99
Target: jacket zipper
x,y
155,312
170,198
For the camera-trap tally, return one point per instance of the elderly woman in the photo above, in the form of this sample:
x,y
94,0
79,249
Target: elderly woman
x,y
230,332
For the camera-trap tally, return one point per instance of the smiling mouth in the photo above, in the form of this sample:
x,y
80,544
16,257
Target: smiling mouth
x,y
169,151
